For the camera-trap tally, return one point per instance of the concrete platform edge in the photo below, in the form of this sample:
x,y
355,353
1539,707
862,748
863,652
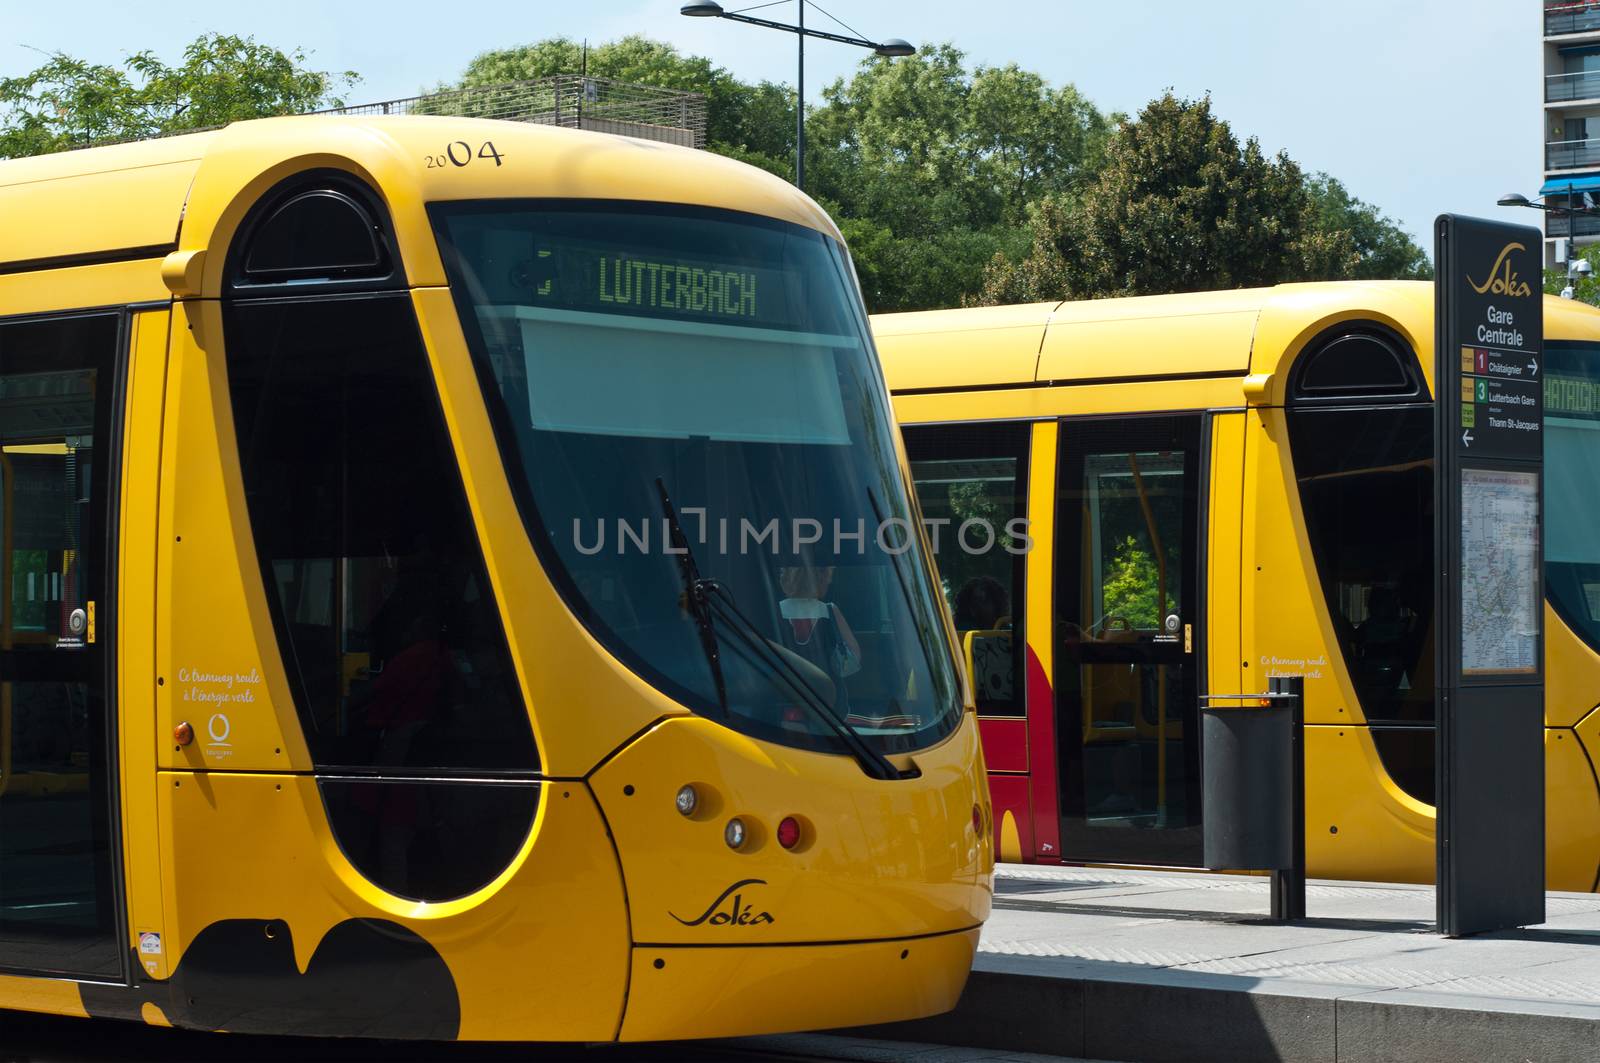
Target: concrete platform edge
x,y
1122,1012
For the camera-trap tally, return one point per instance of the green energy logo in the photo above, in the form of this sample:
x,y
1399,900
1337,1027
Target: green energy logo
x,y
1503,280
664,286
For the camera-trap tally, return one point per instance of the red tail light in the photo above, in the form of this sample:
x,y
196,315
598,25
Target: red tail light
x,y
789,832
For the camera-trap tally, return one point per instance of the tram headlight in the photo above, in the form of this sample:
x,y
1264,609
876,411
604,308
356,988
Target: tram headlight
x,y
734,833
688,799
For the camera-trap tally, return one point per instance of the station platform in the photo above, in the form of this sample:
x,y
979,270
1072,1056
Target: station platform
x,y
1160,965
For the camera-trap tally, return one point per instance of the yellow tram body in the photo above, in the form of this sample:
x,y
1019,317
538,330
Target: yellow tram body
x,y
1032,400
612,915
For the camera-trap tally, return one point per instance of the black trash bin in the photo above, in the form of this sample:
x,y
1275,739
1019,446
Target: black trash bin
x,y
1247,784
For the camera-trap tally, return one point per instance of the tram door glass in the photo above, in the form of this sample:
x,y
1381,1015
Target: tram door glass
x,y
1127,640
56,905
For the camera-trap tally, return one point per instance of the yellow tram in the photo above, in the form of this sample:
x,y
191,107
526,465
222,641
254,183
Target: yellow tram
x,y
1204,491
375,656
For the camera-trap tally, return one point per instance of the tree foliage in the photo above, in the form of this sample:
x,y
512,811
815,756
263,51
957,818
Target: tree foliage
x,y
751,122
1181,205
940,162
67,102
1584,289
1381,249
1132,582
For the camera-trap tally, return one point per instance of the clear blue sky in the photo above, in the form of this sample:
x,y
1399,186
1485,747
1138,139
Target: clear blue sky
x,y
1419,106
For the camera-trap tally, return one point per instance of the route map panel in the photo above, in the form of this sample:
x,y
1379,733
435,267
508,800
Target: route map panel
x,y
1499,572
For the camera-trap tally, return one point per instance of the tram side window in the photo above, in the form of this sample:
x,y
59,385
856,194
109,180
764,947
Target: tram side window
x,y
971,481
1366,487
387,624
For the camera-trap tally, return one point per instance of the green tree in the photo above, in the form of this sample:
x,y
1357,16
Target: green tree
x,y
67,102
1181,205
1131,583
943,161
1584,289
1383,250
754,123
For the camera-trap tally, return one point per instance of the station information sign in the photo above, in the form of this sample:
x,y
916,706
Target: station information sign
x,y
1495,326
1489,594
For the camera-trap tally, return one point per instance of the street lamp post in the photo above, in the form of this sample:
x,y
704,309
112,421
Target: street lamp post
x,y
1576,270
892,47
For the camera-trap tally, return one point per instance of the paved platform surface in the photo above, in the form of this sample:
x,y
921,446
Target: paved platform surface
x,y
27,1038
1150,965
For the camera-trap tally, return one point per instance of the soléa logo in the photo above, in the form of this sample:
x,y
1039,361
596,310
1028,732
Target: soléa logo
x,y
730,909
1502,279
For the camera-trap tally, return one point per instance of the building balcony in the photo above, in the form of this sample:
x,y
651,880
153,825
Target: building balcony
x,y
1567,154
1572,225
1571,16
1564,88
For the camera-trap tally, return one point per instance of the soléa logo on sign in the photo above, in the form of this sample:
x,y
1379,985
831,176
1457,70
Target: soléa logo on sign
x,y
1500,408
1502,279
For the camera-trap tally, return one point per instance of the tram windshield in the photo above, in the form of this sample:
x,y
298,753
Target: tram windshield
x,y
662,370
1572,485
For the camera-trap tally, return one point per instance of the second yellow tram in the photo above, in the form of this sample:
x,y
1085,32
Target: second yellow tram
x,y
372,661
1204,491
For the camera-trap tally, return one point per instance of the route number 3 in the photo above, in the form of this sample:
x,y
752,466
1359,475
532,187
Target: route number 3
x,y
459,153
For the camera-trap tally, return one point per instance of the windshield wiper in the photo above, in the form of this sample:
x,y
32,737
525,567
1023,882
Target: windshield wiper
x,y
704,596
694,596
872,762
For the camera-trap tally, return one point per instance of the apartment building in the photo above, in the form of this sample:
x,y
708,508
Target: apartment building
x,y
1572,122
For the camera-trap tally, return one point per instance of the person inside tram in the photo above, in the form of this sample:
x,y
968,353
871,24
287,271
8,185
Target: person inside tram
x,y
982,608
982,604
814,627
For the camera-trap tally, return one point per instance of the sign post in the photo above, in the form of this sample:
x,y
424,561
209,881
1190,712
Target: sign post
x,y
1489,590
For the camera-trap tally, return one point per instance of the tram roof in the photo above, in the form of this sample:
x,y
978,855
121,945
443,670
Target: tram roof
x,y
181,192
1160,337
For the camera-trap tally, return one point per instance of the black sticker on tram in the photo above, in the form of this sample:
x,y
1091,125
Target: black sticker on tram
x,y
367,978
729,909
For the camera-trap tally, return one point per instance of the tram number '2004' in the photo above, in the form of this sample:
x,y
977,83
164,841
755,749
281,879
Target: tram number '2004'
x,y
460,153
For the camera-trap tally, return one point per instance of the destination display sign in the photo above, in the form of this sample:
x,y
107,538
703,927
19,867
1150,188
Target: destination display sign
x,y
612,278
1571,396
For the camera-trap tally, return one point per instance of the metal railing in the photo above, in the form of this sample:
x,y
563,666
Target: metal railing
x,y
1568,225
1571,17
565,100
1566,154
1580,85
600,104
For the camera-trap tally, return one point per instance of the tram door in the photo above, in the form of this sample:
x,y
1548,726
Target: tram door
x,y
57,872
1128,640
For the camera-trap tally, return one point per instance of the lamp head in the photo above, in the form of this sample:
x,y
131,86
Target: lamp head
x,y
702,9
895,48
1510,199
